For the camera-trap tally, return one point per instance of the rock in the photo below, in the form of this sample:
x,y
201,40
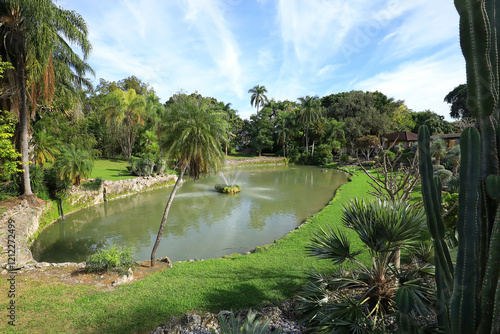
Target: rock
x,y
190,321
167,260
124,279
42,265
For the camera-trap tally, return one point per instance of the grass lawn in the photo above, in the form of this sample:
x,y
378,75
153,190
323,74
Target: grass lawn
x,y
111,169
236,282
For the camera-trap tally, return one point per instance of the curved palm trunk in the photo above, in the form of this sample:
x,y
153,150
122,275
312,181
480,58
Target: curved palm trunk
x,y
165,215
23,125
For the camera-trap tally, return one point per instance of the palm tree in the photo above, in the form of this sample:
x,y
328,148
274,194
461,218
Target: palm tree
x,y
195,136
127,108
382,227
259,97
30,31
438,149
44,147
73,164
310,112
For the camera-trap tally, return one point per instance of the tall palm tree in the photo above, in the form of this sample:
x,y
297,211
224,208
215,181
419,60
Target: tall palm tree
x,y
259,98
30,30
310,112
195,136
127,108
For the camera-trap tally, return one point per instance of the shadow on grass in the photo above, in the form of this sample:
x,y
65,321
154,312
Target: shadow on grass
x,y
252,287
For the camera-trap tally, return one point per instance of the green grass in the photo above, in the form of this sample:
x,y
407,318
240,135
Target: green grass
x,y
235,282
111,169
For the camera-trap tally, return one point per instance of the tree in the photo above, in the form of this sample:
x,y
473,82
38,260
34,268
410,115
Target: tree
x,y
260,129
258,97
127,109
438,149
44,147
309,112
30,31
8,154
74,164
458,100
367,145
436,123
195,136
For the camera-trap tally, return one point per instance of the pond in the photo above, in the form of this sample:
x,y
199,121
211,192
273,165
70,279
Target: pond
x,y
202,223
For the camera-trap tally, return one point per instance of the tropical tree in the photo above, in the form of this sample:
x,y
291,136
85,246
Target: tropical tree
x,y
258,98
195,137
438,149
74,164
45,147
458,100
126,109
8,154
30,33
364,293
309,112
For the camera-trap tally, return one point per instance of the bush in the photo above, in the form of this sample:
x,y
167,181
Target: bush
x,y
345,158
444,174
143,165
93,184
111,258
251,325
38,184
323,154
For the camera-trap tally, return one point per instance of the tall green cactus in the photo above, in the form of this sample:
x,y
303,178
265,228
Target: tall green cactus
x,y
474,306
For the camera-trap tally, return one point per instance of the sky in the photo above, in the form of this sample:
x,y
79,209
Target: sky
x,y
408,50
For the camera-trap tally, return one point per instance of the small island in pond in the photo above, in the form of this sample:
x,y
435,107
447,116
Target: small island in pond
x,y
227,189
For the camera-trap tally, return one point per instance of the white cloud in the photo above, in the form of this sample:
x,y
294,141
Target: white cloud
x,y
422,84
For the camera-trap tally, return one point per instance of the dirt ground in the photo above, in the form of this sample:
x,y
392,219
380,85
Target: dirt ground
x,y
73,275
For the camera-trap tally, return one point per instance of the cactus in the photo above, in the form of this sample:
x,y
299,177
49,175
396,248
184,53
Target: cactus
x,y
474,306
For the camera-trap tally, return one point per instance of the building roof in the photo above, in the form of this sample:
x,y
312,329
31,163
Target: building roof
x,y
402,136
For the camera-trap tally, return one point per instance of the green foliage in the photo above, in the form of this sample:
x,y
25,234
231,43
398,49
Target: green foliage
x,y
110,258
436,123
259,97
323,154
364,295
8,154
38,182
227,189
251,325
458,100
93,185
73,164
143,165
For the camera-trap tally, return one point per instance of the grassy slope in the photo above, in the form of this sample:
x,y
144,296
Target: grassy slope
x,y
111,169
234,283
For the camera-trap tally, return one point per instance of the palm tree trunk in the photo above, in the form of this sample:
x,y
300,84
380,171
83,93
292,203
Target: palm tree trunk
x,y
312,151
61,208
307,139
165,215
23,125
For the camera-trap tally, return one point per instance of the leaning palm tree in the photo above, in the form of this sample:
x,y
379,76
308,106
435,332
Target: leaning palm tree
x,y
195,138
259,98
30,30
126,109
310,112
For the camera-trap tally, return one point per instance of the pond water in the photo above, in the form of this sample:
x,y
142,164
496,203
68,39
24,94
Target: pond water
x,y
202,223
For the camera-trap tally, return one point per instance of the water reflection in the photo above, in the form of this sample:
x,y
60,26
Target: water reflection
x,y
202,223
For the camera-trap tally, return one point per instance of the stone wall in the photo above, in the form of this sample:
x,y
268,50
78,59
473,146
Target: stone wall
x,y
26,217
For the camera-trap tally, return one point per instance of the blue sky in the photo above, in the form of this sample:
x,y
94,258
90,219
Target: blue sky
x,y
408,50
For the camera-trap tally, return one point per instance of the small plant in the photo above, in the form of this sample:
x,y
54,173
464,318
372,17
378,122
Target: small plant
x,y
93,185
251,325
111,258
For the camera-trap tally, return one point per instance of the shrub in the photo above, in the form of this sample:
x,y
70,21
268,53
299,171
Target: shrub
x,y
444,174
143,165
323,154
93,184
111,258
38,184
344,158
251,325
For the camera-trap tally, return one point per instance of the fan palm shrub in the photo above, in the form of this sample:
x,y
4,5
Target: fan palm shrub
x,y
357,295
